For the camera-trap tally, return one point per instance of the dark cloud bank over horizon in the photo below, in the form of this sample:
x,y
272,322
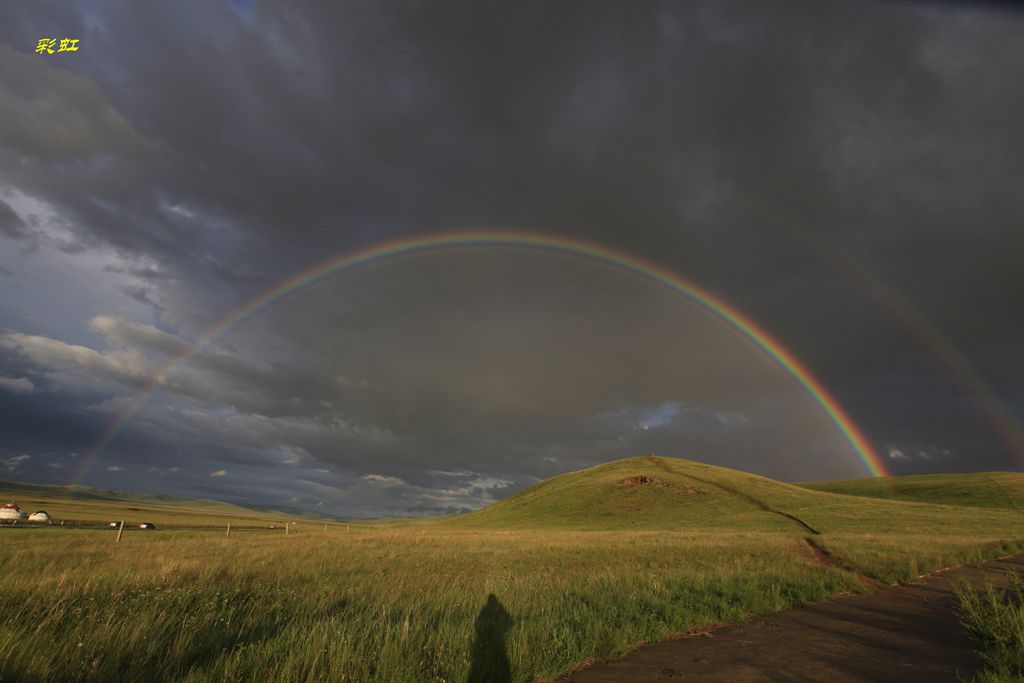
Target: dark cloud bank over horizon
x,y
847,174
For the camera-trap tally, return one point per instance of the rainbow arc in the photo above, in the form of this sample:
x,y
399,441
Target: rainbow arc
x,y
437,242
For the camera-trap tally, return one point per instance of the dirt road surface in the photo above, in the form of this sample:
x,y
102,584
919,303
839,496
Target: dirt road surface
x,y
903,633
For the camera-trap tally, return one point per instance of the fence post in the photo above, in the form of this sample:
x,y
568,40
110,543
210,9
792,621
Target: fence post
x,y
286,530
228,532
120,530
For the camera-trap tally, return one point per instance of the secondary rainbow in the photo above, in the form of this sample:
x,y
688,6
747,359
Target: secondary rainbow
x,y
522,240
1007,426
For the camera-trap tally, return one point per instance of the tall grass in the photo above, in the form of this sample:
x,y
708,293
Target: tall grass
x,y
995,619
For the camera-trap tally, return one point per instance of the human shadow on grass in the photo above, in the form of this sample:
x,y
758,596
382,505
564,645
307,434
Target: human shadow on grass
x,y
489,655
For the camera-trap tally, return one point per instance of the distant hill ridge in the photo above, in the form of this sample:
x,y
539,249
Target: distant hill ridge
x,y
9,487
978,489
75,503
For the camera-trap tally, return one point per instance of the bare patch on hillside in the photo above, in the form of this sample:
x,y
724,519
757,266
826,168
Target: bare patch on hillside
x,y
648,480
643,480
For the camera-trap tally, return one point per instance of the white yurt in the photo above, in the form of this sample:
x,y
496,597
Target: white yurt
x,y
11,512
39,516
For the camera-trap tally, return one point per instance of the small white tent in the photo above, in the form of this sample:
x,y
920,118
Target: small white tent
x,y
39,516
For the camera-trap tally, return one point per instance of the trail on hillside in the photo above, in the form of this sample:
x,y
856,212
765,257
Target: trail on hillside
x,y
903,633
818,552
739,494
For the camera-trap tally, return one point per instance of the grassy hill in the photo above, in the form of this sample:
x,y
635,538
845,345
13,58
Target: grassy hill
x,y
655,492
884,539
981,489
78,504
643,493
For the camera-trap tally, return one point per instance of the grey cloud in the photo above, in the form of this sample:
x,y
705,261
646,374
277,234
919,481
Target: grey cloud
x,y
141,273
144,357
73,121
11,224
146,337
75,366
143,295
17,385
919,452
15,462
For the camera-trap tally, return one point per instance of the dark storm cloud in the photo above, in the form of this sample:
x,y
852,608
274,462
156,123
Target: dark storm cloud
x,y
778,153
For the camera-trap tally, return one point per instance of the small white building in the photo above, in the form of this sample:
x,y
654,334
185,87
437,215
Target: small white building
x,y
11,512
39,516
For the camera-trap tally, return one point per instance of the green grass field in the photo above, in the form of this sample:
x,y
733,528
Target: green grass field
x,y
581,567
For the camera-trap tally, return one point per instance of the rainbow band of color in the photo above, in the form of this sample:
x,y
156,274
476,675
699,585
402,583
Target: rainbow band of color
x,y
499,238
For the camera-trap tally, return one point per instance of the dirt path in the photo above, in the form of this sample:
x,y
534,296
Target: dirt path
x,y
904,633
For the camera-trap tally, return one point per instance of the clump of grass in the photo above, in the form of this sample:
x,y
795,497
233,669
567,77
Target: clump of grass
x,y
995,619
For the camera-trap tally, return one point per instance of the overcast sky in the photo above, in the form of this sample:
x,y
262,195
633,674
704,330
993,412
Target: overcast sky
x,y
847,174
